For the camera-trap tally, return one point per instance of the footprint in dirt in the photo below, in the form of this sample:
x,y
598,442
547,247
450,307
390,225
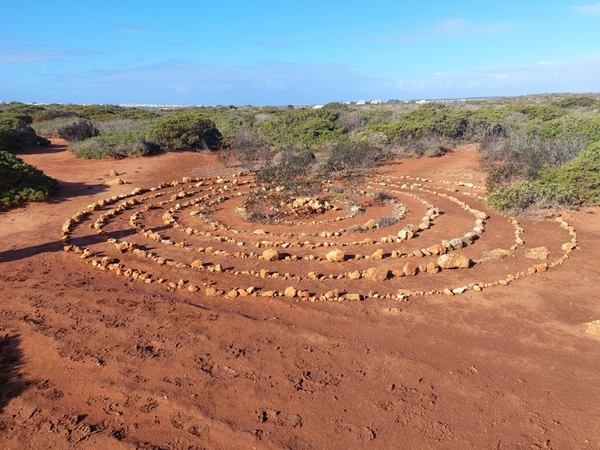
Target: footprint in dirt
x,y
278,419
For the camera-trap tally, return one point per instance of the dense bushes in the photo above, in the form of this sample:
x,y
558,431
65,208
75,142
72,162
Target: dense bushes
x,y
185,130
575,183
310,127
16,134
21,182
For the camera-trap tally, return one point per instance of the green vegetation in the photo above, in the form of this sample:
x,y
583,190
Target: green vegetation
x,y
21,182
186,130
113,145
575,183
16,134
528,144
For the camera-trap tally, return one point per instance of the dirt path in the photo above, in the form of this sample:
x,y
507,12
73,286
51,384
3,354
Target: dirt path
x,y
93,356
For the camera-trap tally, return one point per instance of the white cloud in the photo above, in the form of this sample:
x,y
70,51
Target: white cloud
x,y
572,76
593,9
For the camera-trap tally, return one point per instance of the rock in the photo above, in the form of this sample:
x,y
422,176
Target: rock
x,y
264,273
193,288
290,291
593,328
405,234
437,249
537,253
499,253
197,264
410,269
355,297
271,255
454,261
568,247
354,275
459,290
332,294
378,254
376,274
456,244
537,268
211,292
370,224
233,293
115,182
336,255
113,173
432,267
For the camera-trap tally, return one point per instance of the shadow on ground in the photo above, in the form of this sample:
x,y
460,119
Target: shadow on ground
x,y
11,360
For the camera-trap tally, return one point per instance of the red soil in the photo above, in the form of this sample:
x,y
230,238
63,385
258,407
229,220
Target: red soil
x,y
89,359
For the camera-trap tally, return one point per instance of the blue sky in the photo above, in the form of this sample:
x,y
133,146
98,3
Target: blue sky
x,y
266,52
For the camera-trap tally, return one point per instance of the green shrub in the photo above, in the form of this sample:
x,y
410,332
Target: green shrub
x,y
15,134
21,182
77,130
575,183
309,127
113,145
577,102
52,114
185,130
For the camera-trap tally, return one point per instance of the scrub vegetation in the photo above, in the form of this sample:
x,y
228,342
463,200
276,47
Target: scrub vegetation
x,y
538,150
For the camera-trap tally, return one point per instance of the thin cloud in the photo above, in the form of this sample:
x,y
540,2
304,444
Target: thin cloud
x,y
264,83
23,54
592,10
572,76
453,28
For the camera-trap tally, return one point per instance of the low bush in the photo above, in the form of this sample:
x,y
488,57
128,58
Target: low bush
x,y
575,183
114,145
77,130
187,130
16,134
351,156
291,168
21,182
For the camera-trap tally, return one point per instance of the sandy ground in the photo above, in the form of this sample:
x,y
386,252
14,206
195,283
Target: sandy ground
x,y
90,359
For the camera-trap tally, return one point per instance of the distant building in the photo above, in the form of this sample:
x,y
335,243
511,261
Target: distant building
x,y
376,102
361,102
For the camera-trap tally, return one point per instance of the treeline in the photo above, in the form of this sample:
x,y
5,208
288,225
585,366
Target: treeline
x,y
539,150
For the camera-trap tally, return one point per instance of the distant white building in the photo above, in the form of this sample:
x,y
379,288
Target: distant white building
x,y
318,106
361,102
376,102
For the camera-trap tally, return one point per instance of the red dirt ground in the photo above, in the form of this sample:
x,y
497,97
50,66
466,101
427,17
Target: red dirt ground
x,y
89,359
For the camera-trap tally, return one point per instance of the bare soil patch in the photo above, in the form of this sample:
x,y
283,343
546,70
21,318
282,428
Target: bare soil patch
x,y
162,326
